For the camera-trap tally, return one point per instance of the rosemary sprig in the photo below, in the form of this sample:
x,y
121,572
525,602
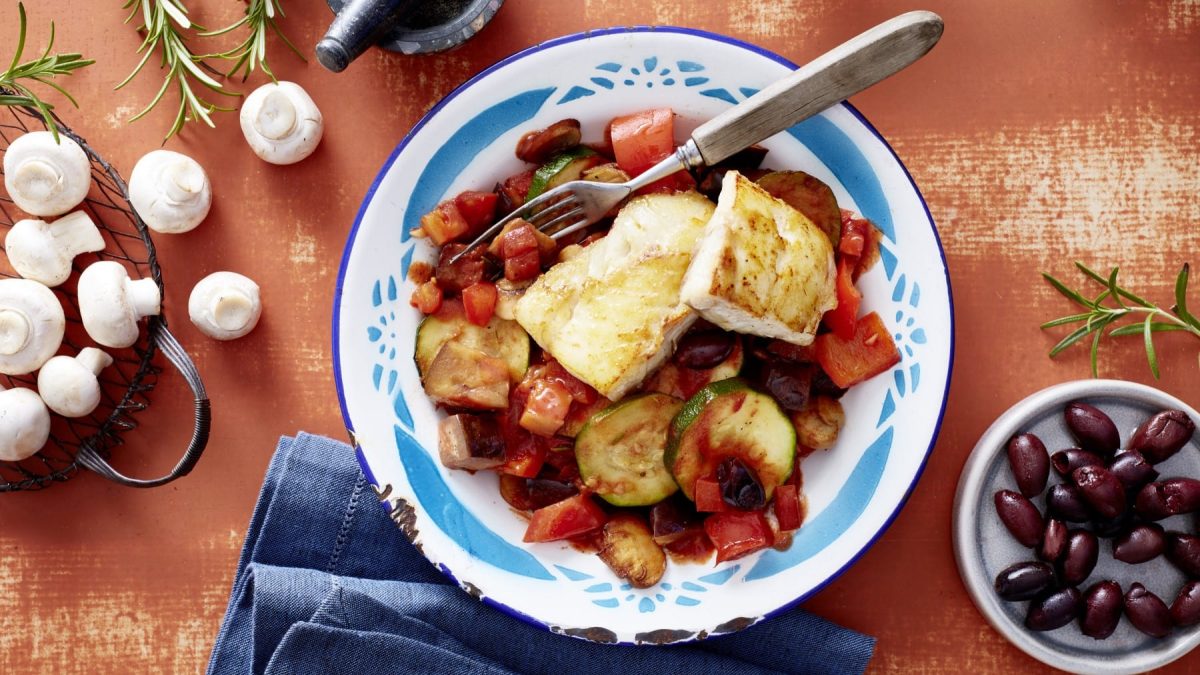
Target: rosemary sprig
x,y
251,53
1114,303
14,91
162,20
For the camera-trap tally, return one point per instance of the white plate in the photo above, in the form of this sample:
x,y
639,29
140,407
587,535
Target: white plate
x,y
983,547
458,519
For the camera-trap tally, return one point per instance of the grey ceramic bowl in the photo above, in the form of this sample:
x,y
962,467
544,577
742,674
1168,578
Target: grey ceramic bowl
x,y
983,547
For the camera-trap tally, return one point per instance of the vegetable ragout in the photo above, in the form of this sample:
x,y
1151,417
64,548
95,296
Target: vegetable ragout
x,y
618,416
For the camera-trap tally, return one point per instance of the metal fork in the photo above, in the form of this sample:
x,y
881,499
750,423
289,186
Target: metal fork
x,y
832,77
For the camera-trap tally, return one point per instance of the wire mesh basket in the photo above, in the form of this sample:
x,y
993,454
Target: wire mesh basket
x,y
125,386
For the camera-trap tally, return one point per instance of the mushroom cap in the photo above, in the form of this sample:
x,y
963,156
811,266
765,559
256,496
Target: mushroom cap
x,y
110,303
69,386
31,325
225,305
170,191
44,251
24,424
45,178
281,123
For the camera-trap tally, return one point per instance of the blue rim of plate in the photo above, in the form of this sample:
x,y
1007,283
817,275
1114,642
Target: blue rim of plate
x,y
575,37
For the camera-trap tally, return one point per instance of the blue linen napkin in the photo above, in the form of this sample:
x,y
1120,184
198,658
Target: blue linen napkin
x,y
326,583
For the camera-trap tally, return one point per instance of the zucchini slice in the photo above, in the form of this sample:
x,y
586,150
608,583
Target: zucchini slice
x,y
501,338
729,419
562,168
620,451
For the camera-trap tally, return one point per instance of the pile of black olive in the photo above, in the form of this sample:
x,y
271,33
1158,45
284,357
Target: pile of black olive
x,y
1117,494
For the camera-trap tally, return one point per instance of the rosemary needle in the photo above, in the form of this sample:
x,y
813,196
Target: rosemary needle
x,y
251,53
163,21
14,88
1115,303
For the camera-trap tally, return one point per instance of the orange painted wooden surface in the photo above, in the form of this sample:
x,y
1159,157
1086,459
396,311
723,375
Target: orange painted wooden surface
x,y
1039,132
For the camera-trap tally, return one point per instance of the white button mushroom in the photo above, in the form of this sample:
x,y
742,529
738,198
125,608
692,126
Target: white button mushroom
x,y
281,123
31,325
225,305
70,386
44,251
45,178
169,191
110,303
24,424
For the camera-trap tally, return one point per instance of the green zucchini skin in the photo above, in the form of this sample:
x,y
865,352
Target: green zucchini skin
x,y
729,419
562,168
620,451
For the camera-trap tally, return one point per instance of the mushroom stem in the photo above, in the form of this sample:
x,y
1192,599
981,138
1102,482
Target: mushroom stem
x,y
277,116
144,297
95,360
38,179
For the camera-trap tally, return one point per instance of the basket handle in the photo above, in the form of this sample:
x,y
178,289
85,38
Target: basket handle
x,y
179,358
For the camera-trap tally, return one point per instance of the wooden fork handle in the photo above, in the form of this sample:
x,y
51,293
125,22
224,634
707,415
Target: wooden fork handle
x,y
831,78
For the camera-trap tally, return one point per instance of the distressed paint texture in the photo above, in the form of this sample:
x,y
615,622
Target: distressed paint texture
x,y
1039,132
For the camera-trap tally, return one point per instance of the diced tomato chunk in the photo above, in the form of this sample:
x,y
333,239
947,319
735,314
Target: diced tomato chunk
x,y
842,319
444,223
427,297
523,456
854,236
479,301
546,408
708,496
737,533
522,267
570,517
581,391
869,352
517,186
518,240
643,139
787,507
477,208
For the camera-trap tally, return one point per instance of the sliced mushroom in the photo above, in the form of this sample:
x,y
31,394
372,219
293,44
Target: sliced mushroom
x,y
110,303
44,251
225,305
70,386
169,191
281,123
44,177
24,424
31,325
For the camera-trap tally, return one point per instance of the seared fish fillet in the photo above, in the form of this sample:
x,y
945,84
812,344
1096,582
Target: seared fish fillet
x,y
762,267
612,314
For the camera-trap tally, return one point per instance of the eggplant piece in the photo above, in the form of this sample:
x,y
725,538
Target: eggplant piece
x,y
471,442
462,377
673,519
809,196
628,548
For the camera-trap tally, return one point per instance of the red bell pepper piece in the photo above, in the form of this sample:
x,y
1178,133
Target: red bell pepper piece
x,y
787,507
869,352
842,319
570,517
737,533
708,496
854,237
517,186
427,297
